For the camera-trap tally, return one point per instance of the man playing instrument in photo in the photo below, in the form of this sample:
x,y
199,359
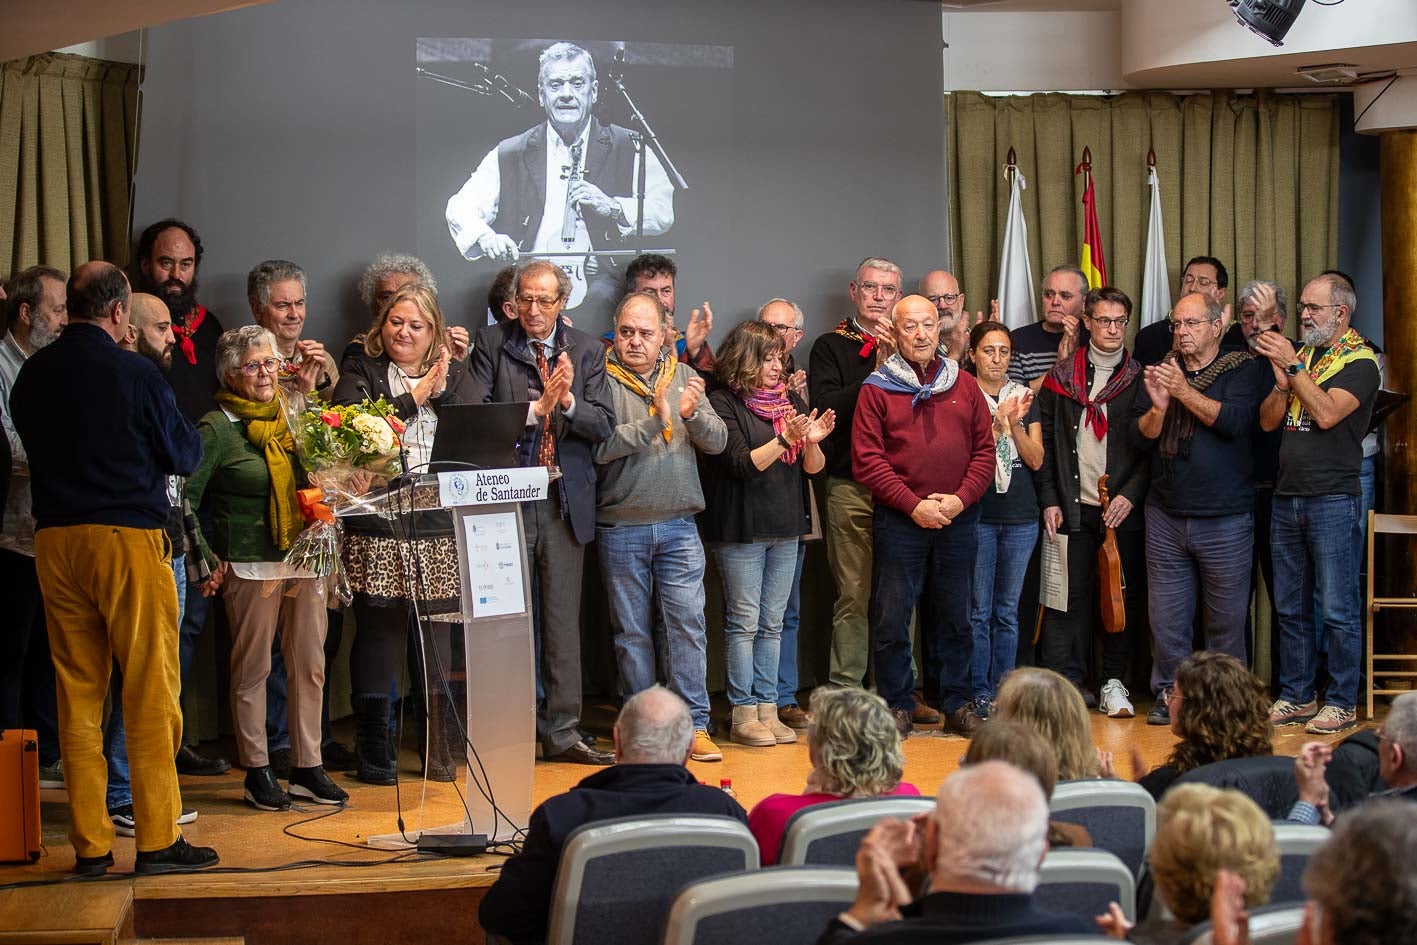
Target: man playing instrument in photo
x,y
564,187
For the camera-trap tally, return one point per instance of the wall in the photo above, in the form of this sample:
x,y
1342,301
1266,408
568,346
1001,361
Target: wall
x,y
1054,52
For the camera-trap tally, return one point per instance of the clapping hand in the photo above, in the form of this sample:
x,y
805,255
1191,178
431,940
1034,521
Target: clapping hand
x,y
1170,376
885,347
1229,922
1155,388
459,341
697,331
312,364
797,383
798,425
822,425
1115,923
432,384
890,847
689,400
558,389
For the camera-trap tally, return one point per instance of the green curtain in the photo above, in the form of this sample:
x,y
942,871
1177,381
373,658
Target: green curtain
x,y
1249,179
66,160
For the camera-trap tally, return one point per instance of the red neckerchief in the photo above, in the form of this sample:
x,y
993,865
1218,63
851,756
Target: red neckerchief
x,y
1069,379
848,330
184,334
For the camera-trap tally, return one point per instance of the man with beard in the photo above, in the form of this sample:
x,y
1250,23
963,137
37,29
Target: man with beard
x,y
1322,399
169,256
1058,335
35,315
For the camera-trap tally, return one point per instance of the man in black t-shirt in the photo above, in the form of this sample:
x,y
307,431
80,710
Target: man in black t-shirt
x,y
1203,275
1322,400
1039,346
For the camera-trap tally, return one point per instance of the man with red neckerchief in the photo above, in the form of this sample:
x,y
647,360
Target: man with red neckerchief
x,y
169,255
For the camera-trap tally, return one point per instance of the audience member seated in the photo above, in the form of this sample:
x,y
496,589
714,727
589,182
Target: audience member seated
x,y
1219,712
1397,764
1046,702
855,752
982,848
1025,748
407,361
1202,830
653,737
388,273
1361,885
755,495
250,474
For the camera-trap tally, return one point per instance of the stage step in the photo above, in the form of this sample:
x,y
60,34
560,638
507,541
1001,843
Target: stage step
x,y
74,913
230,940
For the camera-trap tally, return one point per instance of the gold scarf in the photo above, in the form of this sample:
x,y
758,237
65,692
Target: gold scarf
x,y
266,429
1349,347
632,381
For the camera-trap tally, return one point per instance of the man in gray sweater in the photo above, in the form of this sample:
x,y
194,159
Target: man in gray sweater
x,y
646,500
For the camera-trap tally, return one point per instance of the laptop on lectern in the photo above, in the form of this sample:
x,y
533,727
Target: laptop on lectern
x,y
478,436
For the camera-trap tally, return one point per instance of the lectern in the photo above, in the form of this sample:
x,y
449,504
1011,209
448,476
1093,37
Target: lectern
x,y
496,616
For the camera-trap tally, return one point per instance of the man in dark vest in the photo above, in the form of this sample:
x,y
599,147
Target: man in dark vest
x,y
564,186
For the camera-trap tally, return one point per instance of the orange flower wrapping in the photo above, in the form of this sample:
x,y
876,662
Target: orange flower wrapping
x,y
311,508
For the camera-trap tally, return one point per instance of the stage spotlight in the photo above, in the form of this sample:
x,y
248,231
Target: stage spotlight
x,y
1268,18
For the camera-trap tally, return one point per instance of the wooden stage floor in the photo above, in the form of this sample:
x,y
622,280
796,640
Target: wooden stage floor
x,y
306,874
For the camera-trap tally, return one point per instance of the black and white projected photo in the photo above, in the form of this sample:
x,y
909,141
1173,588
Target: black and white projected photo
x,y
581,153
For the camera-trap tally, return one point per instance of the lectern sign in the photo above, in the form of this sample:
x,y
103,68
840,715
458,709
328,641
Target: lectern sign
x,y
494,563
492,486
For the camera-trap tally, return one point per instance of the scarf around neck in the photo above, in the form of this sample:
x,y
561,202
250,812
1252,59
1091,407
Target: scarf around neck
x,y
1349,347
185,332
897,376
661,377
1069,379
773,405
851,331
1004,449
1179,424
266,430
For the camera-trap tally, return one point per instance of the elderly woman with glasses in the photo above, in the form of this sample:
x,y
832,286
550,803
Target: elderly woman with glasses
x,y
249,476
407,359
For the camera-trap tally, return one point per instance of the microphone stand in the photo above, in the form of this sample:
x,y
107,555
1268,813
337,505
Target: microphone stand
x,y
616,75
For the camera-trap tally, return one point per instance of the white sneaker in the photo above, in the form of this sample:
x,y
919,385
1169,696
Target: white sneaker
x,y
1114,700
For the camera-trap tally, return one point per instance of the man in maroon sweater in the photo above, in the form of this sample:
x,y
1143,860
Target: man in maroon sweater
x,y
922,443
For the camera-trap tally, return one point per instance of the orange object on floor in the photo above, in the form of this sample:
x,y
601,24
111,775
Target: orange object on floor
x,y
19,795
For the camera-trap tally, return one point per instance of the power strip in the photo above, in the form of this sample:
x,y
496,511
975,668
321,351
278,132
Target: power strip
x,y
453,844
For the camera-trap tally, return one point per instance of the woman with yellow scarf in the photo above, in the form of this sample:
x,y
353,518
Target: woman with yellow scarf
x,y
249,475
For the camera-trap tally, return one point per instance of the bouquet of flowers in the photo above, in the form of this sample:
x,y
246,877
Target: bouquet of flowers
x,y
347,451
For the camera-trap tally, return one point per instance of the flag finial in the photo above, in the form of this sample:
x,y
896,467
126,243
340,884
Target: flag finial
x,y
1013,157
1150,157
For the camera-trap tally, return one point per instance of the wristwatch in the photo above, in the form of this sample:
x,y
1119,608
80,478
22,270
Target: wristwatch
x,y
1293,369
784,441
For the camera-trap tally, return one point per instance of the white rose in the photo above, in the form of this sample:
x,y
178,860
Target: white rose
x,y
375,433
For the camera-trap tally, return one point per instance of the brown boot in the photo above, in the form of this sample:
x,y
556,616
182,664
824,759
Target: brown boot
x,y
767,714
747,730
901,717
963,721
922,714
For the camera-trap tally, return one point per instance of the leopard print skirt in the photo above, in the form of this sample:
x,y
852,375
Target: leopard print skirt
x,y
389,570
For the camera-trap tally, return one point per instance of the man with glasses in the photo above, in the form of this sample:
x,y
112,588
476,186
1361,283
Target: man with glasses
x,y
1396,746
1322,399
1061,332
1086,404
942,289
841,361
559,373
1195,412
1203,275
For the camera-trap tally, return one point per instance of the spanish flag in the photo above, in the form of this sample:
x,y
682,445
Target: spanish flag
x,y
1093,263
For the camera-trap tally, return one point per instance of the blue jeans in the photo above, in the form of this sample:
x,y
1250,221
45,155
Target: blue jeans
x,y
787,652
1189,558
757,580
999,570
932,568
1367,482
1313,540
665,560
115,740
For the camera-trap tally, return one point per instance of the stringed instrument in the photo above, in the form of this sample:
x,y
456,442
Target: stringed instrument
x,y
1111,590
575,240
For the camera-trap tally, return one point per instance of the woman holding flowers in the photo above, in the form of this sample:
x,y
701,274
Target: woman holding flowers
x,y
249,475
391,563
756,507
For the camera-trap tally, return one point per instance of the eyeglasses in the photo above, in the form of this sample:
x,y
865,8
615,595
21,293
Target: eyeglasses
x,y
1112,324
874,288
949,298
1191,324
545,301
269,365
1200,282
783,329
1309,308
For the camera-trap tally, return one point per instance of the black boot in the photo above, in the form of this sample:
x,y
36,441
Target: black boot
x,y
445,737
371,739
262,790
312,784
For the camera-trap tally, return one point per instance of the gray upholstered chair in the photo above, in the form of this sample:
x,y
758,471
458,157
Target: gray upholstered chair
x,y
829,834
1296,842
1120,816
781,905
1083,882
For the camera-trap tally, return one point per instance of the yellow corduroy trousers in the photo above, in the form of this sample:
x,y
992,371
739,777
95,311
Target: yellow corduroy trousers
x,y
109,594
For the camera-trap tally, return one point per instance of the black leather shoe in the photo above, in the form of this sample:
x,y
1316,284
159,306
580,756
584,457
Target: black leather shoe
x,y
280,764
189,762
312,784
262,790
93,865
181,857
903,723
586,737
582,754
334,756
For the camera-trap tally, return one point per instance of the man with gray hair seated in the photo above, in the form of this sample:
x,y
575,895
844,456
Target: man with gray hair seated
x,y
653,737
983,846
1397,763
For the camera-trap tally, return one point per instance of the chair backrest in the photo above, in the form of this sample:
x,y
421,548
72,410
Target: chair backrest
x,y
1083,882
1296,842
618,877
1269,925
781,905
1046,940
1268,780
829,834
1120,816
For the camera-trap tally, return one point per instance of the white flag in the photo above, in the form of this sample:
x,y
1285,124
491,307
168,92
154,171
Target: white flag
x,y
1156,285
1017,303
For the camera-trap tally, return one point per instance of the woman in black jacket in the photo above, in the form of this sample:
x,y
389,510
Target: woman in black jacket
x,y
391,563
755,508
